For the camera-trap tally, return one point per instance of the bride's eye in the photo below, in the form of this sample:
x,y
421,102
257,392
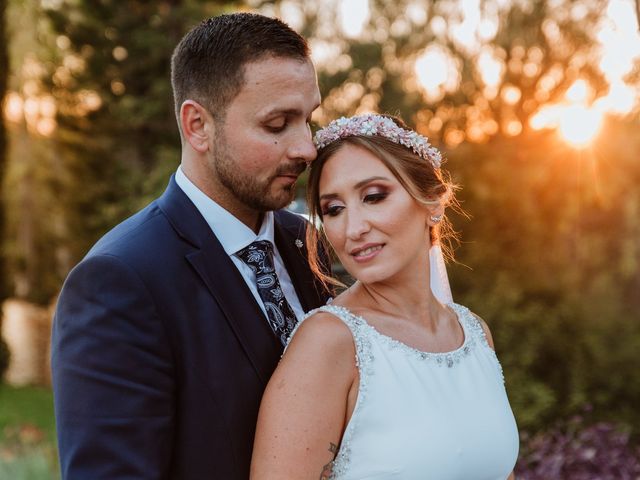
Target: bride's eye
x,y
331,209
375,197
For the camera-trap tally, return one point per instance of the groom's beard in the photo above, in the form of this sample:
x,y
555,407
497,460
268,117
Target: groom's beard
x,y
260,195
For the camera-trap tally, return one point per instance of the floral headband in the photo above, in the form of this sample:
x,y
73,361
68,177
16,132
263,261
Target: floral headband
x,y
372,124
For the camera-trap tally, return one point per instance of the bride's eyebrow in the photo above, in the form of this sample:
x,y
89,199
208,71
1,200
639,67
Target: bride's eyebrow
x,y
328,196
360,184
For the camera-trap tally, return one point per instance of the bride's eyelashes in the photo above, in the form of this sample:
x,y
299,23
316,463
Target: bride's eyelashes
x,y
371,197
375,197
376,193
331,209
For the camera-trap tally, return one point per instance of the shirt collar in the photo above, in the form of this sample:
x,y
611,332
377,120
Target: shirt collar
x,y
231,232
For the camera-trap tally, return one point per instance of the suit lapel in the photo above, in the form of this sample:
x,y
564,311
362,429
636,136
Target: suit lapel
x,y
239,307
223,280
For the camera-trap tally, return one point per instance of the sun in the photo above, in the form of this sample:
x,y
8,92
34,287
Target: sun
x,y
578,124
576,119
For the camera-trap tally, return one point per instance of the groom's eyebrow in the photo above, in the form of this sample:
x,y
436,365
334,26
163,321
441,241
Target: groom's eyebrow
x,y
287,111
282,111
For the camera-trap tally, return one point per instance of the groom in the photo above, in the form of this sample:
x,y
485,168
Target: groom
x,y
163,341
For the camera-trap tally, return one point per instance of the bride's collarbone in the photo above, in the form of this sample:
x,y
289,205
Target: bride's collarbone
x,y
441,334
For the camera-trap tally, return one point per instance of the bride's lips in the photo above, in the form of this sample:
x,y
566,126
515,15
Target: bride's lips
x,y
366,252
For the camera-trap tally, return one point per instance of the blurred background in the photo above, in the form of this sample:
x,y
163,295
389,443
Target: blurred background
x,y
535,104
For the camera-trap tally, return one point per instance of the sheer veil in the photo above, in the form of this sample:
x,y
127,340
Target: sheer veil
x,y
438,275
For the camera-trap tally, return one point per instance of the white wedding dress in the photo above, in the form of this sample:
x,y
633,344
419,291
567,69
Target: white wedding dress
x,y
420,415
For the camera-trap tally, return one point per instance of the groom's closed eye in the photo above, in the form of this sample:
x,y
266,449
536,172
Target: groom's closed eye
x,y
277,126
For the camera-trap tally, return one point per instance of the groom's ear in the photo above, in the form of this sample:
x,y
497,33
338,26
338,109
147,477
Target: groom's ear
x,y
197,125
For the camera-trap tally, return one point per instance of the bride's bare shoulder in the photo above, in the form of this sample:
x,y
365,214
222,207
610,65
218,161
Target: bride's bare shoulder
x,y
323,328
324,324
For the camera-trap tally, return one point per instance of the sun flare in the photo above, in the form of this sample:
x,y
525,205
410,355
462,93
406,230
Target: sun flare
x,y
578,124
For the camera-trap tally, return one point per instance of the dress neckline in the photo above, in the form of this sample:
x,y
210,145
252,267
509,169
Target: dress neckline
x,y
459,314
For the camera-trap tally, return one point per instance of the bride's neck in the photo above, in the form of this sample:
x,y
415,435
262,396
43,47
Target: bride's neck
x,y
413,300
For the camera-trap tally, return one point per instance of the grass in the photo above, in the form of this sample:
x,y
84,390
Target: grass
x,y
27,405
27,434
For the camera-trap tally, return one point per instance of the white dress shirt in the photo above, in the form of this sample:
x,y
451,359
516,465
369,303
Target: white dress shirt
x,y
235,235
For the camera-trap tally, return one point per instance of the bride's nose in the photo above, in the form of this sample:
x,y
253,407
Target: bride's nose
x,y
357,223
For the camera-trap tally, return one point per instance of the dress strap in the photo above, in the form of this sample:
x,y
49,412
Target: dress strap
x,y
353,322
471,324
361,332
349,319
473,327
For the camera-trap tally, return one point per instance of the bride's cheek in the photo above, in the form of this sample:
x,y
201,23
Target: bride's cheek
x,y
333,235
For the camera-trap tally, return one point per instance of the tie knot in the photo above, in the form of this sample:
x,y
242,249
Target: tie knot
x,y
259,256
262,246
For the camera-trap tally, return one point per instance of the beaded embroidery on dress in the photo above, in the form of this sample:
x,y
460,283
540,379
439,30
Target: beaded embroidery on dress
x,y
422,415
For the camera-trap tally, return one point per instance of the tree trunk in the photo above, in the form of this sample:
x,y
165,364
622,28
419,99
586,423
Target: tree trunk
x,y
4,77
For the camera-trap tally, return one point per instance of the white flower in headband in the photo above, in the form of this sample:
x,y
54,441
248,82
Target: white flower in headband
x,y
371,124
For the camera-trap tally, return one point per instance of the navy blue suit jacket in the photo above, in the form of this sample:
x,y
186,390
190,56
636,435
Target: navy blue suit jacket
x,y
160,353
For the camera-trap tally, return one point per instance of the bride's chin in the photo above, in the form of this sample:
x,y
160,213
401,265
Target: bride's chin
x,y
368,277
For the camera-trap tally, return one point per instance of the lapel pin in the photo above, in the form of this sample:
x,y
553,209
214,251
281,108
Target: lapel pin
x,y
299,243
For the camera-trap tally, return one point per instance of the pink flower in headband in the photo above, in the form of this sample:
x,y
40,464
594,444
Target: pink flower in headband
x,y
371,124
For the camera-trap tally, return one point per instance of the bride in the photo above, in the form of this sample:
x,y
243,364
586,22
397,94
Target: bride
x,y
388,381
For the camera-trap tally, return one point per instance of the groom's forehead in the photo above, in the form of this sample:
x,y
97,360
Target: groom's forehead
x,y
279,86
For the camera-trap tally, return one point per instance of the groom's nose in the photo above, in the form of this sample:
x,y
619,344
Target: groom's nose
x,y
302,149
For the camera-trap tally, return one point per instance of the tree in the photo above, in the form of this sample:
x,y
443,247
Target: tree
x,y
102,70
454,74
4,75
4,78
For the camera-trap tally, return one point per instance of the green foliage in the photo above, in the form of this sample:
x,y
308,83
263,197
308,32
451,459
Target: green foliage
x,y
27,406
540,34
106,68
109,148
553,252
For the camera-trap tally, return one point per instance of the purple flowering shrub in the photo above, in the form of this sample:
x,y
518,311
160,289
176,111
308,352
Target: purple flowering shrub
x,y
579,452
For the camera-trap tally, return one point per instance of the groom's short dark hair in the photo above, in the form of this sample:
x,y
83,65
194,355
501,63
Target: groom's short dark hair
x,y
208,64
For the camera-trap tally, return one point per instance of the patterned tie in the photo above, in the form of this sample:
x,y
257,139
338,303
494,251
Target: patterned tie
x,y
259,256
